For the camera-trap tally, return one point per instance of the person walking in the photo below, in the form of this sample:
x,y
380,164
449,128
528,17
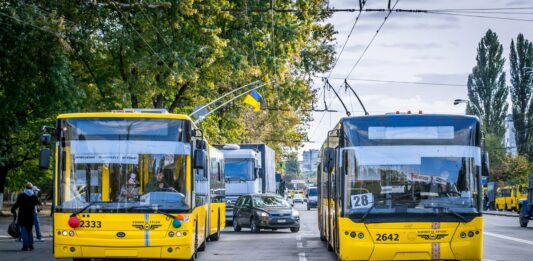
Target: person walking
x,y
26,203
39,236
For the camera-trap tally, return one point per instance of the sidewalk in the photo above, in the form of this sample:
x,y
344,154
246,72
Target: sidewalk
x,y
45,220
500,213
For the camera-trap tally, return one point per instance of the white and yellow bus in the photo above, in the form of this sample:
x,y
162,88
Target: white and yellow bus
x,y
402,187
133,184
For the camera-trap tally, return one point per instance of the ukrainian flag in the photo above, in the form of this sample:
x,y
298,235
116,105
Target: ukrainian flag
x,y
253,98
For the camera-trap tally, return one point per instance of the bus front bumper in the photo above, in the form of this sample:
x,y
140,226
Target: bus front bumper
x,y
182,252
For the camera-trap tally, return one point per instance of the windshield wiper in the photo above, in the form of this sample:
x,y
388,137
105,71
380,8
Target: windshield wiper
x,y
155,210
86,207
451,211
366,213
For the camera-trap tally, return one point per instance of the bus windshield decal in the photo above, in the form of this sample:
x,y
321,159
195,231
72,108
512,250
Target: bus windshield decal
x,y
411,133
411,154
128,147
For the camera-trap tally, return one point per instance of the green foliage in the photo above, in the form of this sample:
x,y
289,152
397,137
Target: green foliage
x,y
512,170
35,81
521,58
62,56
487,90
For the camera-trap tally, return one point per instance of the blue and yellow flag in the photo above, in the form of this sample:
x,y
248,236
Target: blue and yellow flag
x,y
253,98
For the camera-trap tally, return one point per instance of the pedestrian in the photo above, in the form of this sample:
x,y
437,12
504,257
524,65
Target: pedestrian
x,y
26,203
38,234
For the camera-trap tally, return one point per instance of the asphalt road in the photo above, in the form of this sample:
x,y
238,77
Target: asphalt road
x,y
504,240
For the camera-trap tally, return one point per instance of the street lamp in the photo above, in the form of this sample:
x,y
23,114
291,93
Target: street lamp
x,y
467,102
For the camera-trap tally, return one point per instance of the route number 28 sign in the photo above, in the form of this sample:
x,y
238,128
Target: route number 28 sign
x,y
362,200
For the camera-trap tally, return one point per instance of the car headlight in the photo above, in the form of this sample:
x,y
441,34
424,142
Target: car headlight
x,y
263,214
295,213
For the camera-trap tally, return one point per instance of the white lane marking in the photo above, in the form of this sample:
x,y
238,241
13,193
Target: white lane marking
x,y
508,238
298,237
301,257
299,245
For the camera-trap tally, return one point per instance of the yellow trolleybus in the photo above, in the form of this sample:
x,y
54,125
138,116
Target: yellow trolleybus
x,y
132,184
402,187
217,219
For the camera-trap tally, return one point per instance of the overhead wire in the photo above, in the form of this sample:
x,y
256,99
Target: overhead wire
x,y
347,38
252,40
337,59
372,39
481,16
400,82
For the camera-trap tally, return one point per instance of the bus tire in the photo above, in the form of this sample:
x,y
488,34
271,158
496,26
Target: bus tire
x,y
204,243
216,236
330,248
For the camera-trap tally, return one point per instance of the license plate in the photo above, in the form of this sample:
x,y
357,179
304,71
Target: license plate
x,y
282,220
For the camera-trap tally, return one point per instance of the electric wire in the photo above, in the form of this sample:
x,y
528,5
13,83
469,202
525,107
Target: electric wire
x,y
482,16
252,40
372,40
347,38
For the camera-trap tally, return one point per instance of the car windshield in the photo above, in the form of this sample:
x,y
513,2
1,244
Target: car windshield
x,y
312,192
238,169
124,165
263,201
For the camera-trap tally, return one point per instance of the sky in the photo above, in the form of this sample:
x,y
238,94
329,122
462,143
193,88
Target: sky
x,y
413,47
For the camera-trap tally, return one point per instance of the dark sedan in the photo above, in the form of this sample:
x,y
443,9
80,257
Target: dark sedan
x,y
264,211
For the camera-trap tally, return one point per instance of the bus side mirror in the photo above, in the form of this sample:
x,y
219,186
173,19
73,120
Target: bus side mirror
x,y
256,173
45,139
485,166
328,161
200,156
44,158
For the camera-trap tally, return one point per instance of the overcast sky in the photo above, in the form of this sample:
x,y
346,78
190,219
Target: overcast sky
x,y
411,47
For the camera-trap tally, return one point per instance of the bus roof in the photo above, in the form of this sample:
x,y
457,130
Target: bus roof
x,y
124,115
385,117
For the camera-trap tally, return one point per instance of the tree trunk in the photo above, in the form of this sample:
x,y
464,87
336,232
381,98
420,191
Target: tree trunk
x,y
3,176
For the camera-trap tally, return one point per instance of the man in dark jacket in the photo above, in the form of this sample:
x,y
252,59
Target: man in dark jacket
x,y
26,203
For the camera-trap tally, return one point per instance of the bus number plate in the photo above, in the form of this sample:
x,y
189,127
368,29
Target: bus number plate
x,y
90,224
387,237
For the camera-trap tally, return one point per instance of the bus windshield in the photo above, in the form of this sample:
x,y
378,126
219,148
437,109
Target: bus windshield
x,y
242,169
124,164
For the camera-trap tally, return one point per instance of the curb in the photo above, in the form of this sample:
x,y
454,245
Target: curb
x,y
501,214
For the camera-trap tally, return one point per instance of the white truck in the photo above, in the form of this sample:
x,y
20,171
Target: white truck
x,y
248,169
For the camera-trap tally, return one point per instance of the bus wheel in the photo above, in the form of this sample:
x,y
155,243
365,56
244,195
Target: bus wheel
x,y
216,236
204,243
523,221
330,248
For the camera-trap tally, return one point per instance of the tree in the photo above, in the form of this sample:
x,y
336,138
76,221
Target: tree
x,y
35,82
487,90
166,54
520,59
512,170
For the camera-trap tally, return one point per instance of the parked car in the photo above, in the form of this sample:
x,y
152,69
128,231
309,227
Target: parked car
x,y
264,211
298,198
